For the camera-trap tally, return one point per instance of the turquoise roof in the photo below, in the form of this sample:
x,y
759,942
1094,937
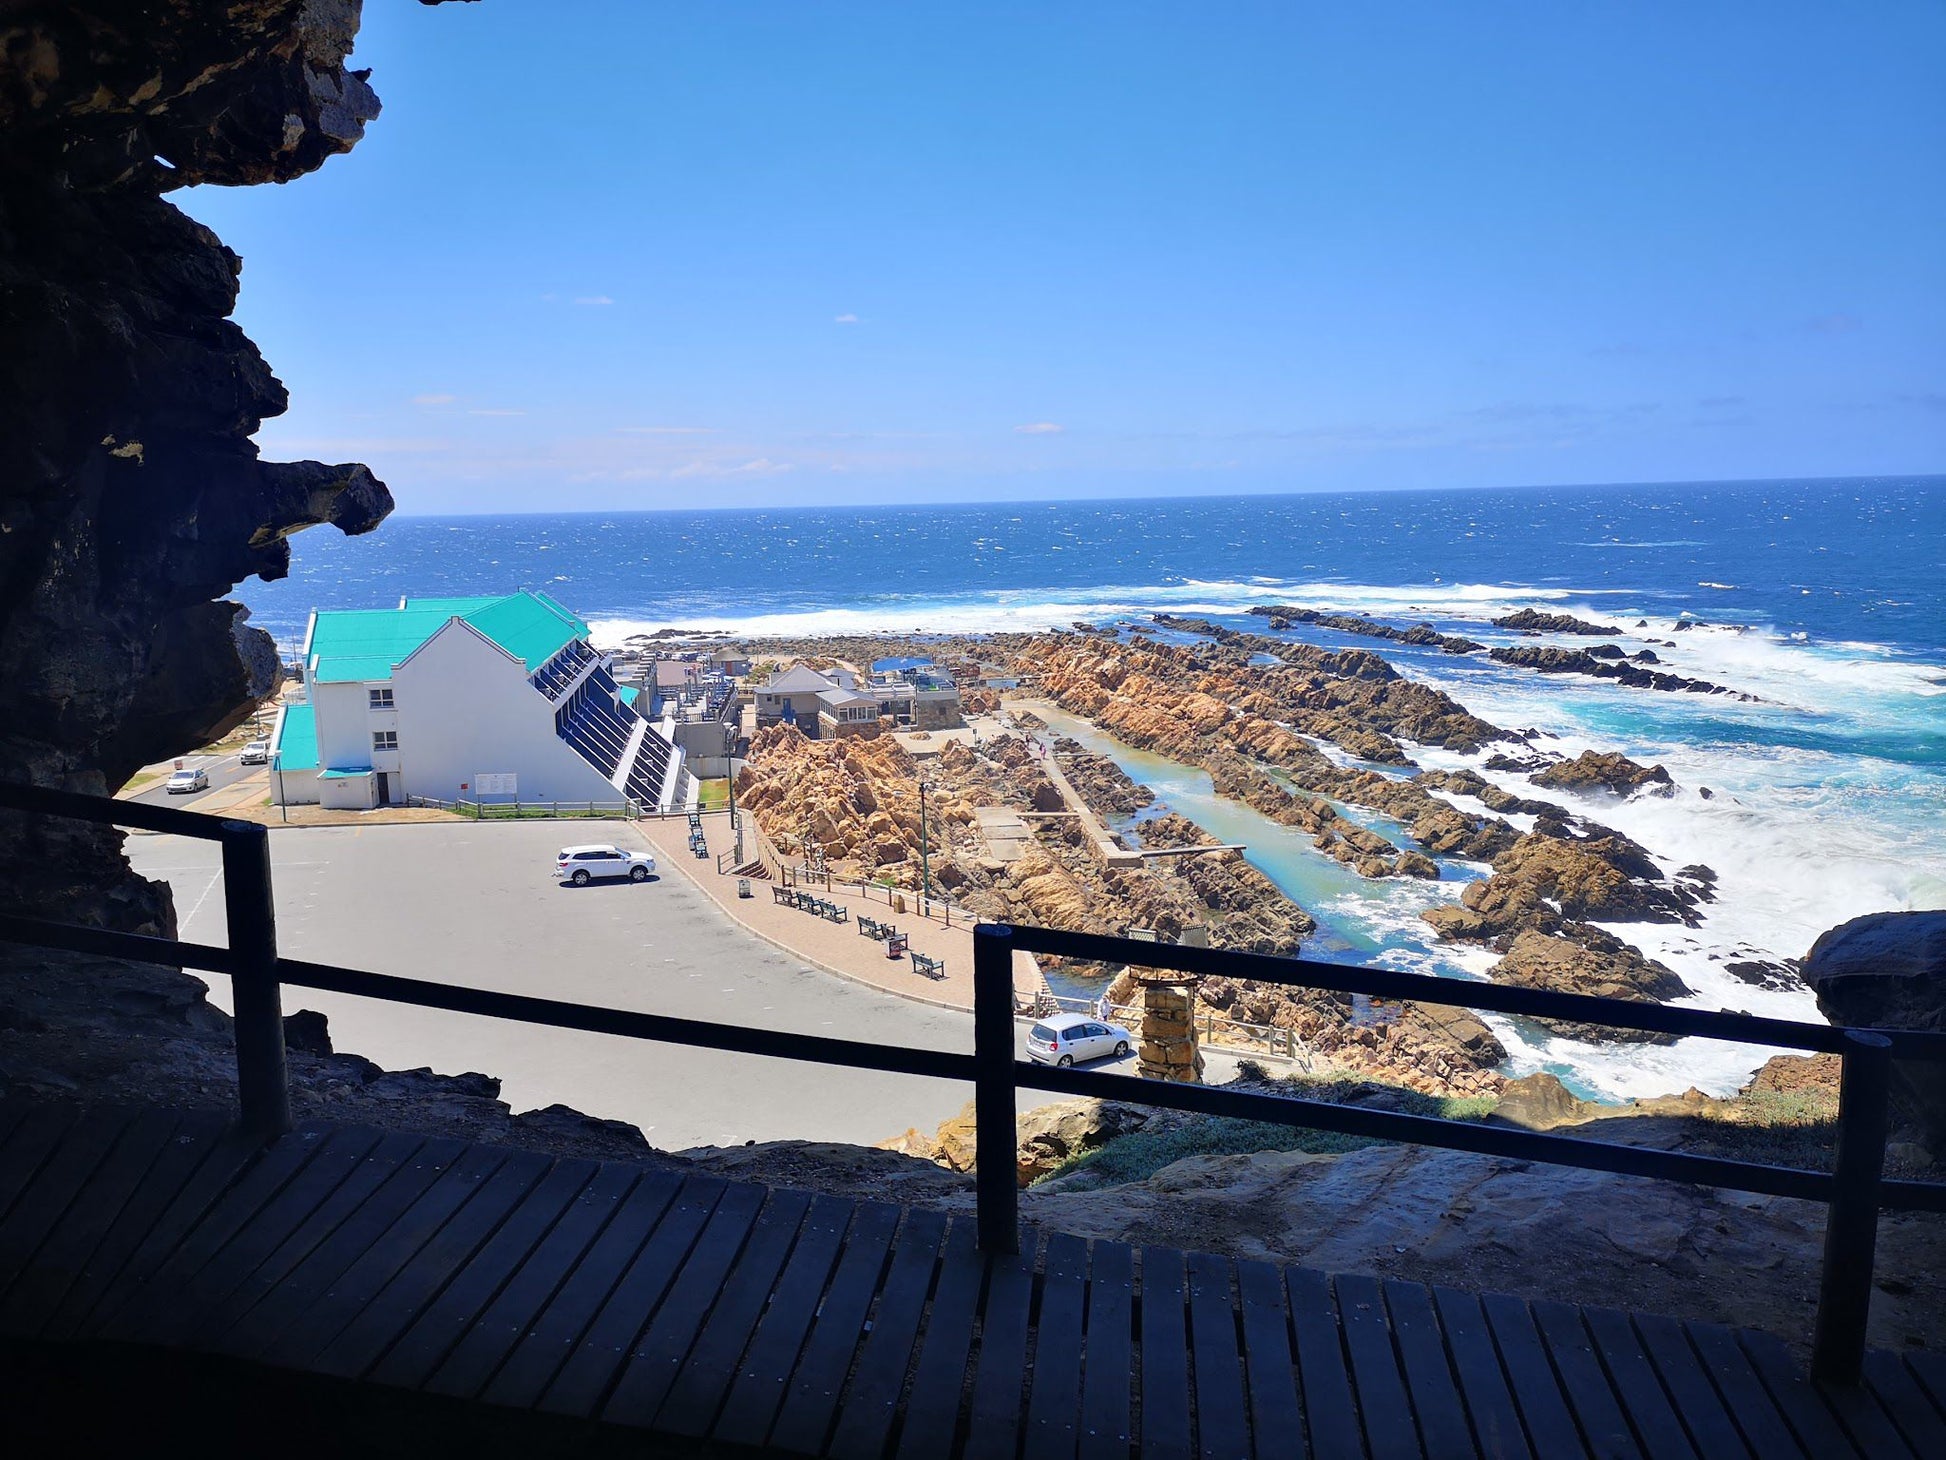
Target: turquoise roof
x,y
344,773
368,643
629,693
530,626
296,748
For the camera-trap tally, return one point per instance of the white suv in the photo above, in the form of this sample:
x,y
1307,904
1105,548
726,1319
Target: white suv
x,y
257,752
582,865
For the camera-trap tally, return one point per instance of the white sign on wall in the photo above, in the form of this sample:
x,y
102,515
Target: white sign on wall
x,y
496,783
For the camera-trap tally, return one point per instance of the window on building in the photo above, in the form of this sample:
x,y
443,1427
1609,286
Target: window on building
x,y
385,740
381,698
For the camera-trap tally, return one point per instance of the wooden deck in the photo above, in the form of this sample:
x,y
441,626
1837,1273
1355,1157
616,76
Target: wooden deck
x,y
814,1325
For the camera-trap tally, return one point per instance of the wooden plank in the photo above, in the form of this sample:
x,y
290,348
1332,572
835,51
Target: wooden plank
x,y
1382,1399
31,1145
1222,1428
1582,1378
760,1385
300,1299
1543,1408
1054,1395
13,1110
1871,1431
1689,1387
500,1328
207,1231
1443,1428
554,1335
812,1396
39,1288
398,1304
1750,1406
1893,1385
449,1317
1634,1382
1817,1429
44,1201
1108,1357
931,1419
1270,1372
865,1422
198,1163
1165,1354
1000,1369
1330,1413
392,1249
1929,1370
1489,1402
652,1366
696,1395
310,1206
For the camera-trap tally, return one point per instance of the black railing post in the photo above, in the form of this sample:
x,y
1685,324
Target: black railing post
x,y
1851,1226
263,1085
996,1184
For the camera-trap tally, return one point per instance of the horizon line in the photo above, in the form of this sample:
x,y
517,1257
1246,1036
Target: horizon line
x,y
1927,476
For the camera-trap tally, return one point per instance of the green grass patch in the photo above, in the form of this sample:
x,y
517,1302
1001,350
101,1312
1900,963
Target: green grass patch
x,y
713,795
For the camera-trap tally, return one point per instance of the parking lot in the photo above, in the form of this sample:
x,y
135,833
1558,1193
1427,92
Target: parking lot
x,y
476,903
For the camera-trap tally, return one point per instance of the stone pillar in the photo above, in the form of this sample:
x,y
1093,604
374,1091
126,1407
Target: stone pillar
x,y
1169,1049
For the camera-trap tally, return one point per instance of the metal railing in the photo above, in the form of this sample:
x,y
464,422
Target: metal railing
x,y
1855,1191
517,810
1218,1031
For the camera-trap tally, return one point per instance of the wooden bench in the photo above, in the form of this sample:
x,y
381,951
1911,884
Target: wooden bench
x,y
870,927
929,967
836,913
783,896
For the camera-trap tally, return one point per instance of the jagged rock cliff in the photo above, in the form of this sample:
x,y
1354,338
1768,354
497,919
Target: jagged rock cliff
x,y
131,495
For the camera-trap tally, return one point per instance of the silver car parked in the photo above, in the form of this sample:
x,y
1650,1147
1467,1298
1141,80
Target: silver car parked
x,y
1069,1039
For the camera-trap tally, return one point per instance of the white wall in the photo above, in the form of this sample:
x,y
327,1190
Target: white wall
x,y
344,739
465,707
300,788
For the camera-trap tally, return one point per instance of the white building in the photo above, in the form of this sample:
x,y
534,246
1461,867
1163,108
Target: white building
x,y
494,699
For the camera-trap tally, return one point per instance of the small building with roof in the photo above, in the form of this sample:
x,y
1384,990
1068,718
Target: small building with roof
x,y
828,703
492,698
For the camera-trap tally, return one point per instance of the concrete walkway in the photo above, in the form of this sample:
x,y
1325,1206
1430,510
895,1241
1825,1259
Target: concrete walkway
x,y
836,947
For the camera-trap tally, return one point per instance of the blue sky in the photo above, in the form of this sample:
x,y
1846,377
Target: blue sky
x,y
646,255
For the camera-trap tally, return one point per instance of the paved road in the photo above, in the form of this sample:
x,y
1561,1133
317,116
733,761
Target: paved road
x,y
224,770
476,903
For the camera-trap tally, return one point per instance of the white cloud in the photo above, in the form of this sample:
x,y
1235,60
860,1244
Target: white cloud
x,y
1039,428
846,319
496,413
667,430
594,299
761,466
434,400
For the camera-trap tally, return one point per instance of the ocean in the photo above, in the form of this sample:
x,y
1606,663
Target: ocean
x,y
1826,600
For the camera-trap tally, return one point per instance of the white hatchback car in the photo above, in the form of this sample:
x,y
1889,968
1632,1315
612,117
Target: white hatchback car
x,y
582,865
189,778
1067,1039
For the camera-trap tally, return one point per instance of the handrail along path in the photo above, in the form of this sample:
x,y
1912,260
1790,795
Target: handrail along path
x,y
1855,1192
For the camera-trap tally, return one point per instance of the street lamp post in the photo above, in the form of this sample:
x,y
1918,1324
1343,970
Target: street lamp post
x,y
925,860
734,827
277,765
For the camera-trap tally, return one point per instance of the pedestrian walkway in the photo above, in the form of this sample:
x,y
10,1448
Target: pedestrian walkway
x,y
839,947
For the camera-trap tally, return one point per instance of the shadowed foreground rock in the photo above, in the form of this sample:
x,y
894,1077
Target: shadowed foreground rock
x,y
1888,970
131,495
